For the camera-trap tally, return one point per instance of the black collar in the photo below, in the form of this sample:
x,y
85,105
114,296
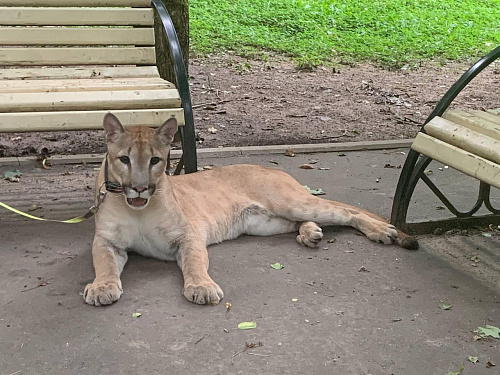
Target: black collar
x,y
112,187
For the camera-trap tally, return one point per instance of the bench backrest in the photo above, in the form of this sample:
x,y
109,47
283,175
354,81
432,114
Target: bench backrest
x,y
94,32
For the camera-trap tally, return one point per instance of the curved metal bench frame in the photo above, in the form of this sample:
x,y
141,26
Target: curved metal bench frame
x,y
188,136
415,164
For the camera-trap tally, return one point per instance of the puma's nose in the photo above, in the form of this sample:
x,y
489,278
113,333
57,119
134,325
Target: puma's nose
x,y
140,189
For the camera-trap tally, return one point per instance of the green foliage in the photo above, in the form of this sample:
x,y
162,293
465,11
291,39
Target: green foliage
x,y
390,32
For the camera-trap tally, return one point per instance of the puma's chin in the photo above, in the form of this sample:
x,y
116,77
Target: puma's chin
x,y
137,203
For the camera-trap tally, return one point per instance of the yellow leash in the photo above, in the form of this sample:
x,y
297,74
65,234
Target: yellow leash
x,y
74,220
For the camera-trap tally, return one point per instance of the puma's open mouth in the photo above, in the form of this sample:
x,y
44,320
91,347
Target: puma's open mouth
x,y
137,202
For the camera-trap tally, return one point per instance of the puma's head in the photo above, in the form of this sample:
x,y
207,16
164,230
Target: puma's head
x,y
137,157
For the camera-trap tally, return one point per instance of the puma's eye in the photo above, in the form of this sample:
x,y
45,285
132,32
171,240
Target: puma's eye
x,y
155,160
124,159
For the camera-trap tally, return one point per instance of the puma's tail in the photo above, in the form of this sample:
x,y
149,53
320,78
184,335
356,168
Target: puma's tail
x,y
406,241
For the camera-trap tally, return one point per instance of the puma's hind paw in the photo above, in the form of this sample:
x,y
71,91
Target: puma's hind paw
x,y
384,233
310,234
101,293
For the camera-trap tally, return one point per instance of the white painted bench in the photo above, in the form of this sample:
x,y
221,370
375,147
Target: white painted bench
x,y
64,67
468,141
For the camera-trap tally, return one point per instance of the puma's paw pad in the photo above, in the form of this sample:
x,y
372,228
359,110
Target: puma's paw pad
x,y
385,233
102,293
208,293
310,237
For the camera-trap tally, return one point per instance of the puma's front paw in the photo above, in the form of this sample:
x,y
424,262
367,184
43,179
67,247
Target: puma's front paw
x,y
102,292
206,293
383,232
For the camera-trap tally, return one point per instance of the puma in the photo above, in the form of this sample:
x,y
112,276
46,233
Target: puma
x,y
176,217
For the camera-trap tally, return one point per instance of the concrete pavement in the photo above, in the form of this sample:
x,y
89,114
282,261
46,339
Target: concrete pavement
x,y
362,308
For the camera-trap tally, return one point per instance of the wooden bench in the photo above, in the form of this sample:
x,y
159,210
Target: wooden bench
x,y
64,67
468,141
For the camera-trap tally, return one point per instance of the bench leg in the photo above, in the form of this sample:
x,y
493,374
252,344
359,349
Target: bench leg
x,y
410,174
414,167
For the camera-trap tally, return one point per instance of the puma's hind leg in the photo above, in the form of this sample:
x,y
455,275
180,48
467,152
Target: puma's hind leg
x,y
297,205
327,212
310,234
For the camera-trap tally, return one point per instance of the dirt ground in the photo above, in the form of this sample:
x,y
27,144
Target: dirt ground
x,y
240,102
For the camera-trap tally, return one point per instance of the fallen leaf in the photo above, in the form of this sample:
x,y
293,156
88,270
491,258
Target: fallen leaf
x,y
486,234
331,240
46,164
67,254
439,208
457,372
33,207
341,154
212,130
323,169
228,306
317,191
247,325
473,359
445,306
277,266
428,172
488,331
306,166
273,162
475,259
313,161
490,364
14,174
289,152
295,299
136,315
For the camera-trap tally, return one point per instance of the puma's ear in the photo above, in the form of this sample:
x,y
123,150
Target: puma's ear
x,y
167,131
113,127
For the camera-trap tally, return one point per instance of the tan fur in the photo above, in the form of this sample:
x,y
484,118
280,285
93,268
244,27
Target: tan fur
x,y
186,213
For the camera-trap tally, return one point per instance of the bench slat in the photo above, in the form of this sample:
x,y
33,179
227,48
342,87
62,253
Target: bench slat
x,y
75,85
491,117
471,121
83,120
76,36
464,138
92,100
17,16
78,56
71,3
473,165
79,72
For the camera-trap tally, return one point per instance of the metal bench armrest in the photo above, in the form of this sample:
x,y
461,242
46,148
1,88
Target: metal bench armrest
x,y
187,132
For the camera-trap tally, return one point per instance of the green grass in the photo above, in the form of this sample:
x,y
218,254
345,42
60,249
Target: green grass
x,y
389,32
